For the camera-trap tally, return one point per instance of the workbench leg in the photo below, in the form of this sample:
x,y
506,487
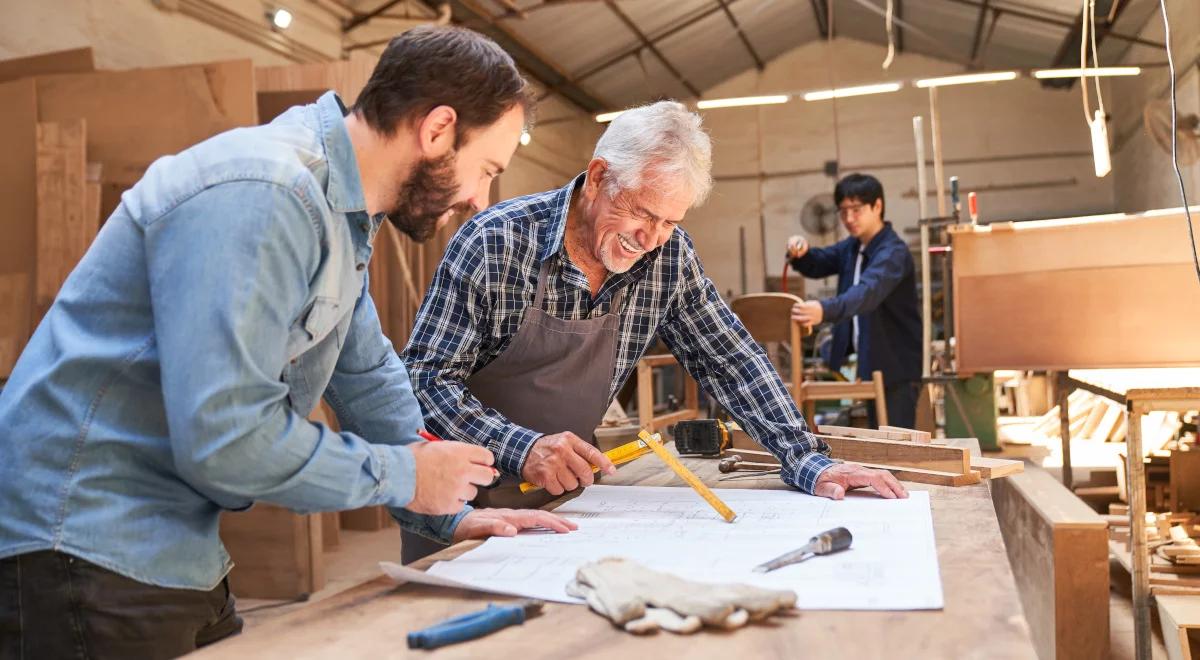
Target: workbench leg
x,y
1135,471
1063,392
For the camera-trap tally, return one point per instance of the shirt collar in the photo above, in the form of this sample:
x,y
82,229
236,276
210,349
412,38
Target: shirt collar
x,y
877,241
344,192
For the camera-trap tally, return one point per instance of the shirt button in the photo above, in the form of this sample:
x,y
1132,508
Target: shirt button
x,y
364,227
360,267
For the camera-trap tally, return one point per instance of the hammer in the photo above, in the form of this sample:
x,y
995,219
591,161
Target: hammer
x,y
735,463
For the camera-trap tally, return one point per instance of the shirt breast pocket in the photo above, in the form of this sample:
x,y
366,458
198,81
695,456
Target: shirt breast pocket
x,y
315,325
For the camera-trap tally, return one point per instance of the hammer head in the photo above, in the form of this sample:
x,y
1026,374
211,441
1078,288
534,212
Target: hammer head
x,y
729,464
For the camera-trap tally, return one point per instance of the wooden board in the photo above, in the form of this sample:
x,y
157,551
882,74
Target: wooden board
x,y
64,230
1058,548
913,434
982,615
900,454
889,433
277,553
994,468
77,60
1180,616
1036,284
18,209
174,107
936,477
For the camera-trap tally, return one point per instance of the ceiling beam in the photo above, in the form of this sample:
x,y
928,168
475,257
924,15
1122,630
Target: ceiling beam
x,y
526,56
818,7
983,10
758,63
651,47
1065,21
1068,50
360,19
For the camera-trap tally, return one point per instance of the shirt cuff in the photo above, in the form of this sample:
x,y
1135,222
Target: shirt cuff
x,y
437,528
397,475
512,448
808,470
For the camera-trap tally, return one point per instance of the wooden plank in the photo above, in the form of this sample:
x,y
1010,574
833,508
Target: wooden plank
x,y
905,454
77,60
92,194
935,477
994,468
888,433
1184,471
278,554
175,107
1058,549
367,519
913,434
1179,615
63,229
824,391
18,208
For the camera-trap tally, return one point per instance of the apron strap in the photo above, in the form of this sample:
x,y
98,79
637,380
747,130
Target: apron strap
x,y
543,275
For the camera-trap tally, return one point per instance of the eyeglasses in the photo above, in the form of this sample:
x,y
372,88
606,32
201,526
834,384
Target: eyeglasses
x,y
849,210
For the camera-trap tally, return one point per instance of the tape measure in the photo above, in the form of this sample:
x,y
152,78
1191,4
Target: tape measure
x,y
652,441
618,455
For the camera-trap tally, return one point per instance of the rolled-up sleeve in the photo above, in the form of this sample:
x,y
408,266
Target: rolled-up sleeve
x,y
219,329
710,342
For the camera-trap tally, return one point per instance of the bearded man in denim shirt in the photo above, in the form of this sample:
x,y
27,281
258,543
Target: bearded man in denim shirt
x,y
173,375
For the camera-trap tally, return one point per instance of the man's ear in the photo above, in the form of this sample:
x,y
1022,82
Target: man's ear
x,y
436,132
597,169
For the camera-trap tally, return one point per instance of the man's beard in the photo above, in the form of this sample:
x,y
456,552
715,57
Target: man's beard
x,y
425,197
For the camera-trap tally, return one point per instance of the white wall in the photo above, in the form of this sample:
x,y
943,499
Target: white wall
x,y
1145,178
1009,134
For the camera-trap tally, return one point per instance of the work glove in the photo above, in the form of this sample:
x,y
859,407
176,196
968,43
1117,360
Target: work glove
x,y
642,600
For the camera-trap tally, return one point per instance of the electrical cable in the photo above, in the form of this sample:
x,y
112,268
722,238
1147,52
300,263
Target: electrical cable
x,y
1175,138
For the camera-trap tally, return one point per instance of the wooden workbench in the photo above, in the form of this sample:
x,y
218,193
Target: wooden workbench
x,y
982,617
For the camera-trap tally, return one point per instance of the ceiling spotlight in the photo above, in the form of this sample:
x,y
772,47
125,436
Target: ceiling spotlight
x,y
525,138
281,18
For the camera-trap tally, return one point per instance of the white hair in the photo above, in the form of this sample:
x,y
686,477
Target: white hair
x,y
660,144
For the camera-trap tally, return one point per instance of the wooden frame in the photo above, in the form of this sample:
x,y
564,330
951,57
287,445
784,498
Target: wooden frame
x,y
645,395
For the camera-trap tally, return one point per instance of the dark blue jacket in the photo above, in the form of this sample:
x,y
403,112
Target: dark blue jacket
x,y
885,300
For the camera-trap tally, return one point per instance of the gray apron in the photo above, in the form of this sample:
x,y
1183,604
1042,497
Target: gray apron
x,y
554,376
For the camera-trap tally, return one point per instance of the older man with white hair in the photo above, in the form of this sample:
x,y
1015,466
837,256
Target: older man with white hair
x,y
543,305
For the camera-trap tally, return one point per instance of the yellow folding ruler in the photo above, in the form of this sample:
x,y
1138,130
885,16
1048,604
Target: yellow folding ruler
x,y
618,455
687,475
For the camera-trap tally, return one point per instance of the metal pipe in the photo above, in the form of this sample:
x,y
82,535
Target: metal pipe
x,y
926,305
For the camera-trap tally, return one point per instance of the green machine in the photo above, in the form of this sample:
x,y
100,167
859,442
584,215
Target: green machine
x,y
971,409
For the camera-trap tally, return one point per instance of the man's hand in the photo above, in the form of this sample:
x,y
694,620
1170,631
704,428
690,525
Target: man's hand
x,y
482,523
841,477
563,462
447,473
808,312
797,247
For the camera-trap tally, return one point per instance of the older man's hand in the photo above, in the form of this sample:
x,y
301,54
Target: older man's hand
x,y
808,312
563,462
485,523
837,479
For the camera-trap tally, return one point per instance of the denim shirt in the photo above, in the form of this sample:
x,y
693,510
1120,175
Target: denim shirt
x,y
172,377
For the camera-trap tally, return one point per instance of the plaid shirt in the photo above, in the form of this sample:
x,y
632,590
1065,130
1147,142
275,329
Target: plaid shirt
x,y
488,277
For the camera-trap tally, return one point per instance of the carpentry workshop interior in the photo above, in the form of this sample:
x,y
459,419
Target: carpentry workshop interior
x,y
605,328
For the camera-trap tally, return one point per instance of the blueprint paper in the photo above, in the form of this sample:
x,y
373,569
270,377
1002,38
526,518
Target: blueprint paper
x,y
892,564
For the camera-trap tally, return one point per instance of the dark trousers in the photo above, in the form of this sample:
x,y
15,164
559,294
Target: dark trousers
x,y
901,404
53,605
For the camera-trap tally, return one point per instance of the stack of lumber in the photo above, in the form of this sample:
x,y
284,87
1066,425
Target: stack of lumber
x,y
1098,419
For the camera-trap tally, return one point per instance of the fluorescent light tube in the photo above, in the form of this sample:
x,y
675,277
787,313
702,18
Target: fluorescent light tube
x,y
1089,72
741,101
862,90
967,79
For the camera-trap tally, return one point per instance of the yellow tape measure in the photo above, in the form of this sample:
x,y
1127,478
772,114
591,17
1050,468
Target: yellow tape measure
x,y
688,476
618,455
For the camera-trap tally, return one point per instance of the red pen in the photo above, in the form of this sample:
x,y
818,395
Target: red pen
x,y
427,436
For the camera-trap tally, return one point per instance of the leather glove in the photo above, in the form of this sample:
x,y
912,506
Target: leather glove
x,y
641,600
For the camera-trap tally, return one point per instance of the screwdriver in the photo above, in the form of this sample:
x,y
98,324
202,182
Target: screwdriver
x,y
828,542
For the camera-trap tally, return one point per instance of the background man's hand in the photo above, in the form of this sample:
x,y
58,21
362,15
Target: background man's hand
x,y
797,247
835,481
808,312
483,523
447,473
563,462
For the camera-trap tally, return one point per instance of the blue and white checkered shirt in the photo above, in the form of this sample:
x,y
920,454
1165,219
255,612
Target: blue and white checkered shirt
x,y
488,278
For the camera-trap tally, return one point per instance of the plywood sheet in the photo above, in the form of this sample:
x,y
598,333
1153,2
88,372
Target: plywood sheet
x,y
77,60
18,209
64,230
137,116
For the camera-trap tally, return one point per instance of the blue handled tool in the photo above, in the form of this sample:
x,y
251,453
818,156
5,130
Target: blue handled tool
x,y
475,624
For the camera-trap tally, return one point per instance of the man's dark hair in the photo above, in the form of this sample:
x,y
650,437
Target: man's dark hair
x,y
863,188
432,65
